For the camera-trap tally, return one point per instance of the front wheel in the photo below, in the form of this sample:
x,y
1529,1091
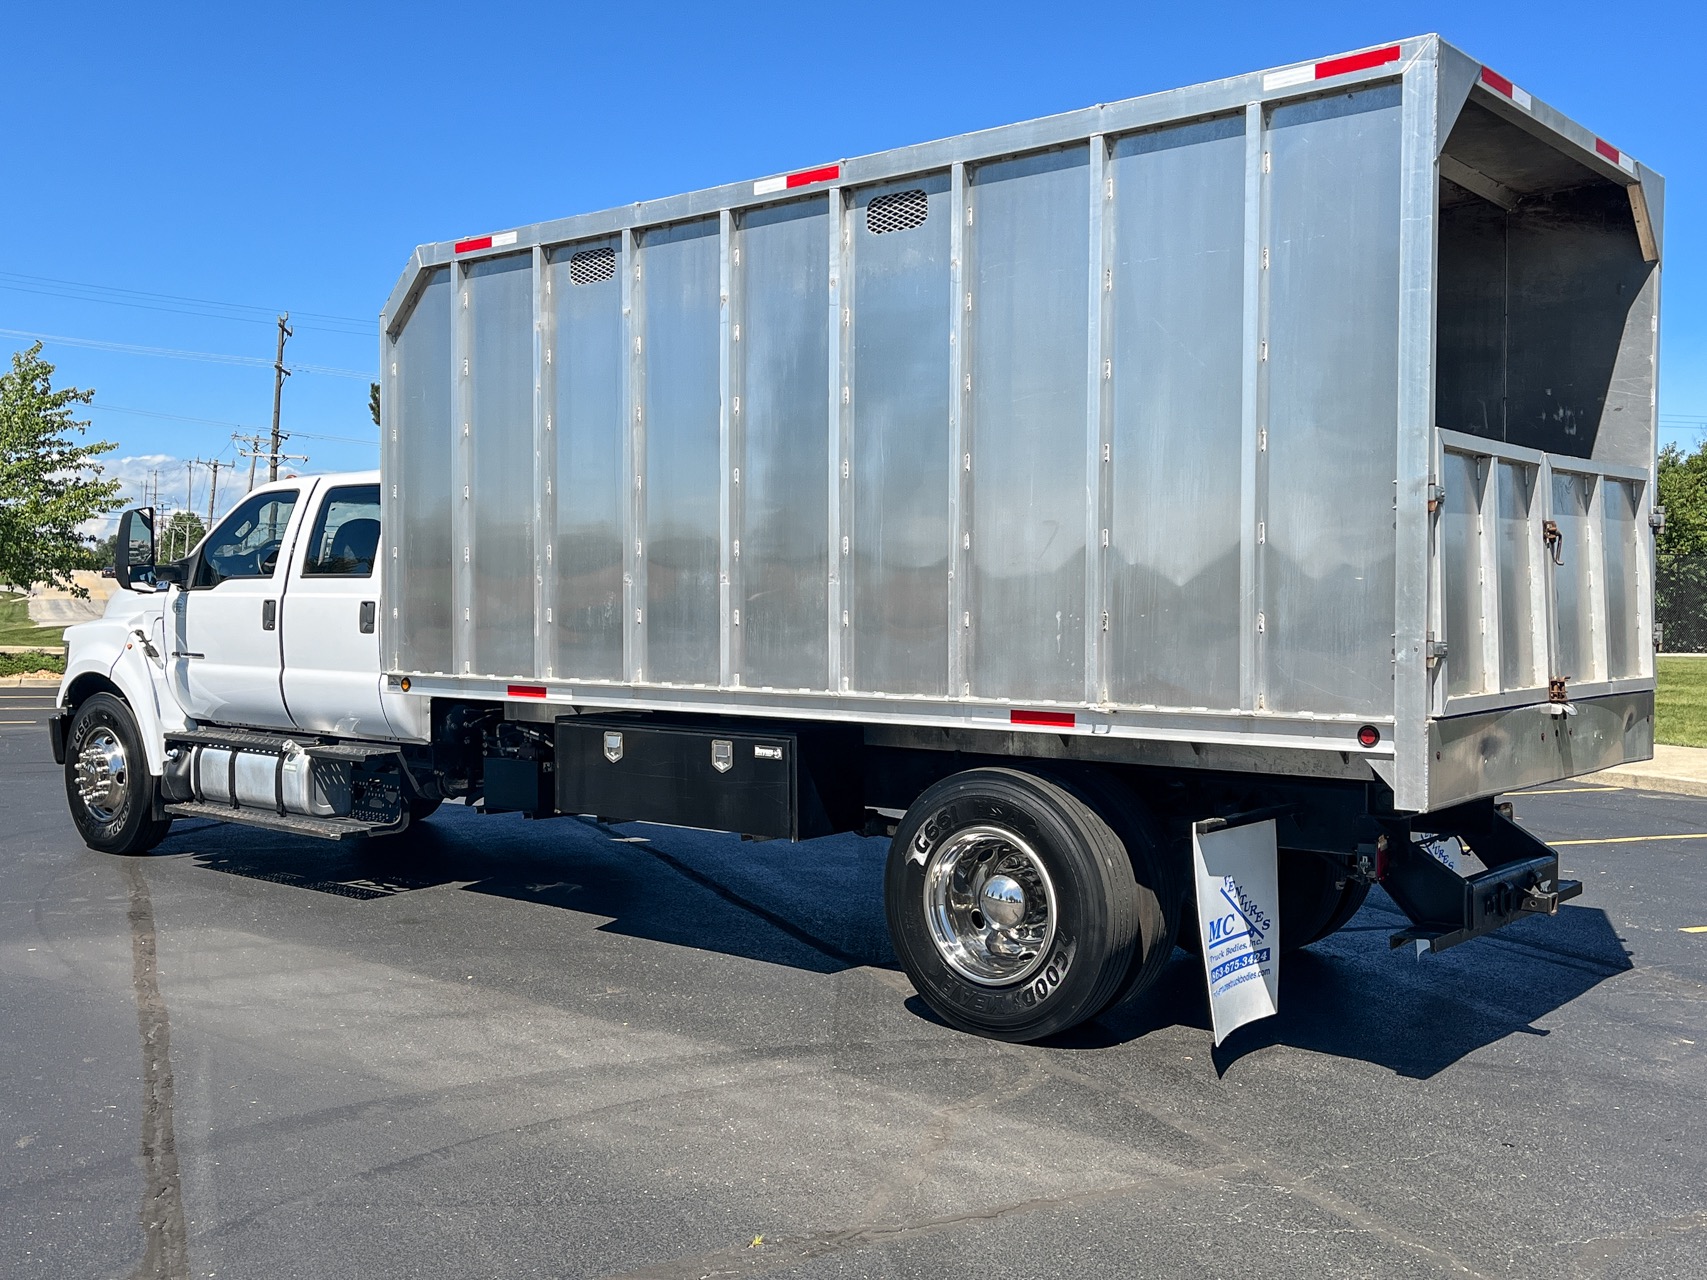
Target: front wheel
x,y
107,783
1012,904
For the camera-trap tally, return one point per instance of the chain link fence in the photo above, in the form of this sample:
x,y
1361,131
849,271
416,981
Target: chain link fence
x,y
1680,602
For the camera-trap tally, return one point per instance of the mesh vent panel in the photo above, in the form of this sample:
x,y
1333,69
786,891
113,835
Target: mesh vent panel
x,y
898,211
591,266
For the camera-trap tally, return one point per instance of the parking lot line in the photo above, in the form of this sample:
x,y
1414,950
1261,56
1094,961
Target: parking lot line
x,y
1566,791
20,721
1689,835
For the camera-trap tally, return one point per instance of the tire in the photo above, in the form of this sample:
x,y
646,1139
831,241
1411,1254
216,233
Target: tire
x,y
418,809
107,782
1032,849
1313,904
1157,870
1351,902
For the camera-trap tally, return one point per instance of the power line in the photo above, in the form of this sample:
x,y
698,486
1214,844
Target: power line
x,y
218,422
82,291
173,353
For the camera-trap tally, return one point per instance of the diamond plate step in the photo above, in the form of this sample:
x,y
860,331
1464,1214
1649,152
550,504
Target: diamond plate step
x,y
296,824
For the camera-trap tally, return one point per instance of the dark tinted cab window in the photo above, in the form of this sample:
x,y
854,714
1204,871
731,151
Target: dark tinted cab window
x,y
246,543
345,541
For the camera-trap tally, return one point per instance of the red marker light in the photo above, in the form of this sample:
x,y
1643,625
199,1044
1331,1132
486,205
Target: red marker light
x,y
1368,736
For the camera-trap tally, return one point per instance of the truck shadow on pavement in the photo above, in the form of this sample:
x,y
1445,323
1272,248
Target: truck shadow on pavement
x,y
1351,996
818,906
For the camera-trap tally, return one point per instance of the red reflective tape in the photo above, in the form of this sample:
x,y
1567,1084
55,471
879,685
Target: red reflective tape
x,y
808,176
527,691
1054,719
1357,62
469,246
1606,149
1494,80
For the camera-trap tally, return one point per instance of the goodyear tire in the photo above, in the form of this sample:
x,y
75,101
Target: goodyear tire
x,y
107,783
1160,870
1012,904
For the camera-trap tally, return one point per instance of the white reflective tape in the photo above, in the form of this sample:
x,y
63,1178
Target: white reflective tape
x,y
508,237
1293,75
1626,163
768,186
1521,98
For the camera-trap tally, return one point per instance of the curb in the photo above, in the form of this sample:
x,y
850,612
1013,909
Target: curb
x,y
30,682
1636,780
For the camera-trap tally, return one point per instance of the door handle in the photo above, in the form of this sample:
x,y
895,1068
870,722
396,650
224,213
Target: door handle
x,y
269,615
367,616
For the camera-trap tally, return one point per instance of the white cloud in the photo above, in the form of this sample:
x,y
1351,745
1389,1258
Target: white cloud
x,y
161,480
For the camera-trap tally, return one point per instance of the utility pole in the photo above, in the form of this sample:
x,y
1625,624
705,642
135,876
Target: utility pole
x,y
213,467
250,447
280,373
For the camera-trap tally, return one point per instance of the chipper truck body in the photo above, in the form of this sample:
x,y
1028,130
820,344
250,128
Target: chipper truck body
x,y
1280,449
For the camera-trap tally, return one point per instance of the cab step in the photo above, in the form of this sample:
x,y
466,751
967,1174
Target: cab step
x,y
273,743
295,824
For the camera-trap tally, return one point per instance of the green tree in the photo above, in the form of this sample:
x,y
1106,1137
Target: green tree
x,y
1680,560
98,552
179,537
373,401
49,480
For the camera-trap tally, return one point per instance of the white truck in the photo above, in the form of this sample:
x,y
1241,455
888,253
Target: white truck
x,y
1045,498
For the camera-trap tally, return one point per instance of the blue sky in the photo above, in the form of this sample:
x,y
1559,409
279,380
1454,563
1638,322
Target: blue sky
x,y
290,158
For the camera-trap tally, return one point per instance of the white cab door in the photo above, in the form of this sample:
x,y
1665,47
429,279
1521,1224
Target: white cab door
x,y
331,641
224,624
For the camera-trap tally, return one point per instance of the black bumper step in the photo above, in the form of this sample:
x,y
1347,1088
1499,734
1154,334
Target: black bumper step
x,y
1446,908
295,824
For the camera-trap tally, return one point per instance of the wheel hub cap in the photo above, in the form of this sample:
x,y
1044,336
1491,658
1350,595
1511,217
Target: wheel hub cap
x,y
1003,901
990,905
101,774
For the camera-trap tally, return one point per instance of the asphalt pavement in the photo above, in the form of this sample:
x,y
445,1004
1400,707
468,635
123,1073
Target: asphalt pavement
x,y
513,1048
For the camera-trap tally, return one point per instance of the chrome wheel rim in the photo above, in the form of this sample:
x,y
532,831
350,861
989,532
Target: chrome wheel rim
x,y
101,774
990,905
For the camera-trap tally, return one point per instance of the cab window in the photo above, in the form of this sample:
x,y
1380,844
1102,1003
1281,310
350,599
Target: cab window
x,y
246,543
346,534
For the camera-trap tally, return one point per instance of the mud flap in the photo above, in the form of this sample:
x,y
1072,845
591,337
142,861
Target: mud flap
x,y
1238,919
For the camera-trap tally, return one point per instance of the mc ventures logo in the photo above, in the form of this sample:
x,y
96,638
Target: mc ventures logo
x,y
1245,922
1237,909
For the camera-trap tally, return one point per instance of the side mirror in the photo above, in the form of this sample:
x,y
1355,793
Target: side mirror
x,y
133,552
176,572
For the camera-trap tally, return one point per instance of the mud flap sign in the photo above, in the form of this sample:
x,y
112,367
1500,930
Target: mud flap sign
x,y
1238,919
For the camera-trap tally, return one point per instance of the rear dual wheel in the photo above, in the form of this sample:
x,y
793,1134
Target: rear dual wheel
x,y
1021,905
1317,899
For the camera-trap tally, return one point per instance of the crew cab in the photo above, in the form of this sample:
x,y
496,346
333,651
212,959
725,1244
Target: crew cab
x,y
239,676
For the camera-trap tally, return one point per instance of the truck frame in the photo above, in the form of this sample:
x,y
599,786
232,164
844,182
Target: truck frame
x,y
1282,446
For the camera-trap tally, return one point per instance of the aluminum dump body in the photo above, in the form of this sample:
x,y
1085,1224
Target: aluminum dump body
x,y
1210,427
